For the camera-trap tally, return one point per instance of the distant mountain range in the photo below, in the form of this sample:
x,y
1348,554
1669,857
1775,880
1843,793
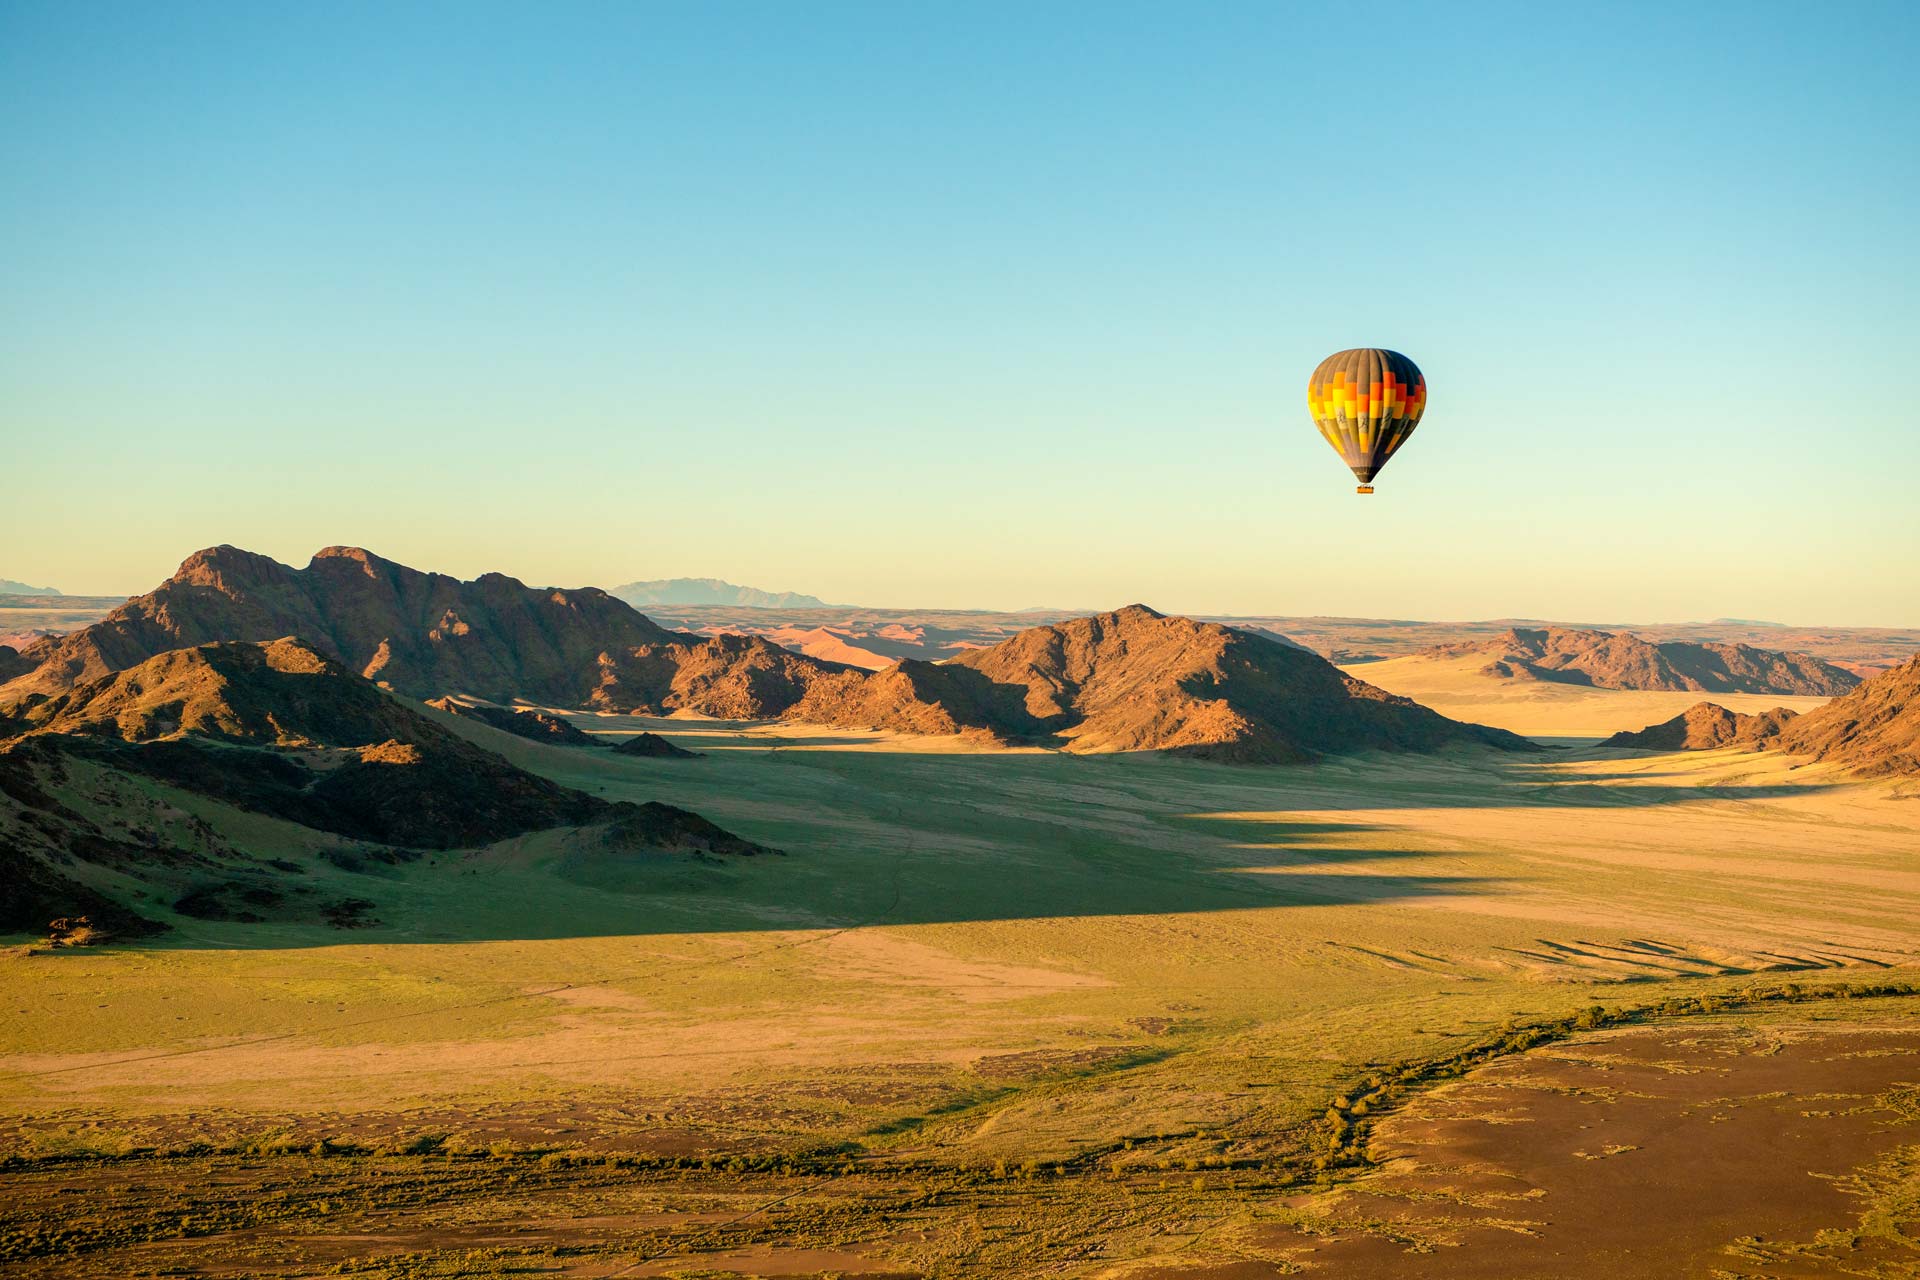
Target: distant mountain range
x,y
8,587
1132,680
1616,660
711,591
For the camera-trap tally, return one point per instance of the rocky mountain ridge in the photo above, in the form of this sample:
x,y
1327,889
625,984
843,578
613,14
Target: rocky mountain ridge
x,y
1131,680
427,635
1617,660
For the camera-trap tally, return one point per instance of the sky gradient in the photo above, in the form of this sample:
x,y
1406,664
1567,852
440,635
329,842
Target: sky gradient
x,y
973,305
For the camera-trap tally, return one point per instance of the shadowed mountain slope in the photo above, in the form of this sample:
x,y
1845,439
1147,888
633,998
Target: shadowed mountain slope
x,y
426,634
651,746
1704,726
1616,660
1875,730
351,760
536,726
47,846
274,729
12,665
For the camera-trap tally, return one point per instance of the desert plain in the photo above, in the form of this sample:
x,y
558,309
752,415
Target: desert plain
x,y
1002,1011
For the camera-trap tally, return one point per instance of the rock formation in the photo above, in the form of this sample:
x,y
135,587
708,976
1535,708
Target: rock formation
x,y
1616,660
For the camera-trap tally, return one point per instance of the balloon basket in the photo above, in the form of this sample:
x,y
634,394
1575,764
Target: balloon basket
x,y
1365,488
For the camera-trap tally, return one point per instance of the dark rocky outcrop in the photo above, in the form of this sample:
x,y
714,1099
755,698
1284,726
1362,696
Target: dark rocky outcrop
x,y
651,746
661,828
536,726
1703,727
12,665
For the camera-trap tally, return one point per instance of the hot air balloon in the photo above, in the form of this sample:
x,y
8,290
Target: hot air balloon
x,y
1366,402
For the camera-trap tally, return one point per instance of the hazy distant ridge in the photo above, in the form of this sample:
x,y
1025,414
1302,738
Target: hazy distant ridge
x,y
711,591
8,587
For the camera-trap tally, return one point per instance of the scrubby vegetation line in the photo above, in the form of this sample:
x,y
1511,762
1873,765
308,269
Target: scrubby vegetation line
x,y
1350,1117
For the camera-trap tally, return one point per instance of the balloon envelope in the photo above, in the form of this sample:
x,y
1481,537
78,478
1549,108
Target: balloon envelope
x,y
1366,402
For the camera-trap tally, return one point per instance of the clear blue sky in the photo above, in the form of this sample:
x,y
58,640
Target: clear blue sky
x,y
969,304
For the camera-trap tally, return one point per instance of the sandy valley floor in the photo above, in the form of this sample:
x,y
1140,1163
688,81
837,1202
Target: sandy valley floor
x,y
1014,1013
1541,709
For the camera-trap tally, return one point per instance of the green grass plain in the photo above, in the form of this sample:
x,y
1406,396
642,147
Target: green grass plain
x,y
967,970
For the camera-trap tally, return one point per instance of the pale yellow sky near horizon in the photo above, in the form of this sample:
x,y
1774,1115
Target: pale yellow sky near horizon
x,y
930,568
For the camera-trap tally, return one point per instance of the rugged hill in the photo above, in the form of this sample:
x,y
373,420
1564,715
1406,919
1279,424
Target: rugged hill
x,y
732,677
1875,730
355,761
1704,726
651,746
1616,660
48,847
273,729
921,697
422,633
1135,680
426,634
654,828
538,726
711,591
